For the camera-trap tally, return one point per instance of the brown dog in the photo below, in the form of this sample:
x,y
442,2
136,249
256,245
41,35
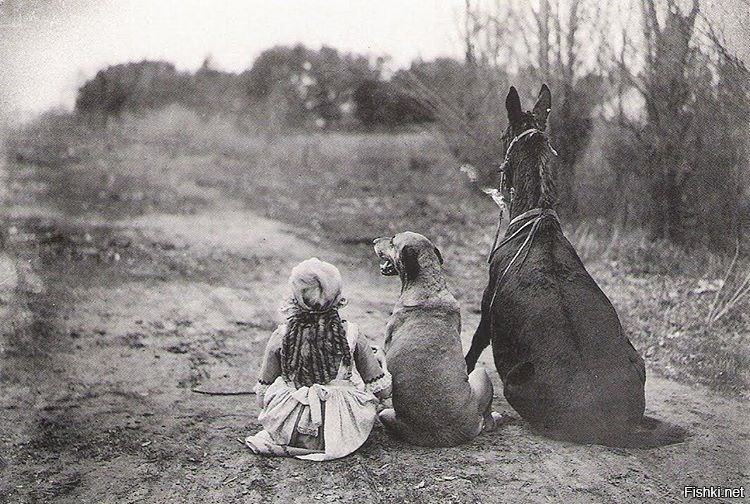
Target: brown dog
x,y
435,403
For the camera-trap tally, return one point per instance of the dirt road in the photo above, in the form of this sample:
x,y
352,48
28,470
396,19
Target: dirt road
x,y
108,326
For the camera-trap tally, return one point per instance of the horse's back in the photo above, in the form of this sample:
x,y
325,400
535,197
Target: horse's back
x,y
559,347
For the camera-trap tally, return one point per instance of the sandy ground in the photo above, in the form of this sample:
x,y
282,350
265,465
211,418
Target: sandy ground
x,y
107,326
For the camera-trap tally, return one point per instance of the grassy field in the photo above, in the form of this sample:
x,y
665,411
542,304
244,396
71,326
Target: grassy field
x,y
345,189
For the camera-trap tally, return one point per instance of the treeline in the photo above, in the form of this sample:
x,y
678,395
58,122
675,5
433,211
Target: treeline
x,y
650,120
286,87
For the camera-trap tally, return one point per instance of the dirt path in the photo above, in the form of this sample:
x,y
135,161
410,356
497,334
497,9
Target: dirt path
x,y
107,327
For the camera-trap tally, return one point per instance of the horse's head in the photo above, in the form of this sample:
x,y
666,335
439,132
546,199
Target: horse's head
x,y
527,180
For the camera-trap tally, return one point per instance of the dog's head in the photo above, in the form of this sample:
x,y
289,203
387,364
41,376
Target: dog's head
x,y
407,255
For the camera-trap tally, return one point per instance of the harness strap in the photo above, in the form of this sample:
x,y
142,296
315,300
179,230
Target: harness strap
x,y
539,214
528,132
531,213
496,246
535,212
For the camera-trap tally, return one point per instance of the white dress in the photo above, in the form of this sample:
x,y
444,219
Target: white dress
x,y
343,410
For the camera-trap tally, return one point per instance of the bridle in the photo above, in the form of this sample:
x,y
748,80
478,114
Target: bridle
x,y
529,132
501,169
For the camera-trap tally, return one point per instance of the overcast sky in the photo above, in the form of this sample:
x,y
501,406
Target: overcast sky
x,y
49,47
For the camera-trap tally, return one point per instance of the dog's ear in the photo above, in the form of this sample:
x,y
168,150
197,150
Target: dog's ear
x,y
409,256
439,255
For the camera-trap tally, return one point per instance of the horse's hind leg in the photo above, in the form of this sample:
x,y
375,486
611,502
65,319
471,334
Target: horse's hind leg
x,y
523,395
480,341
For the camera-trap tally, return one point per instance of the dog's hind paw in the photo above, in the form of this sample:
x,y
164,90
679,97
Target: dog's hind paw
x,y
493,421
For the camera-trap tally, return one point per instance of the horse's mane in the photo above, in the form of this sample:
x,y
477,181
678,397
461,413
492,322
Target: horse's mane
x,y
530,172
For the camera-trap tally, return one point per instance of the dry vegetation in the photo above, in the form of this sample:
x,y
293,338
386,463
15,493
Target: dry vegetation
x,y
346,189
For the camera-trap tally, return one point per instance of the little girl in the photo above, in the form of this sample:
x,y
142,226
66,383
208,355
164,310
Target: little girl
x,y
320,380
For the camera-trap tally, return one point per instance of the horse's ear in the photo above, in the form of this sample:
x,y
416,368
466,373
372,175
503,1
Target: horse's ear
x,y
542,107
439,255
513,107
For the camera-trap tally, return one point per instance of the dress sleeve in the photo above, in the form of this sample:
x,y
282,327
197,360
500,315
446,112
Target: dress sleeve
x,y
271,367
377,379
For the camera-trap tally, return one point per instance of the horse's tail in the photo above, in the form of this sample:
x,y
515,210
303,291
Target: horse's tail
x,y
650,433
480,341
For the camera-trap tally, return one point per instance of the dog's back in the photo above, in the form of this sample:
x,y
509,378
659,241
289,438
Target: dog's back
x,y
431,392
434,403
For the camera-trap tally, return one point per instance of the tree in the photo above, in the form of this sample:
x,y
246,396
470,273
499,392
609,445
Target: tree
x,y
694,128
556,32
383,104
667,95
462,98
213,91
515,42
316,85
131,87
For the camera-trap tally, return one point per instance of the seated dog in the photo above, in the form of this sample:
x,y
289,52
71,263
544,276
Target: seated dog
x,y
435,403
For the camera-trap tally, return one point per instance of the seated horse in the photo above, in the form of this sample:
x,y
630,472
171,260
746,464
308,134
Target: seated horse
x,y
565,362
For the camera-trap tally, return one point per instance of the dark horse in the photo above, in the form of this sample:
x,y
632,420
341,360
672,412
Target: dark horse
x,y
566,365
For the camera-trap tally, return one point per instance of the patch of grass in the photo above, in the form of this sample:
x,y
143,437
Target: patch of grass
x,y
732,293
664,294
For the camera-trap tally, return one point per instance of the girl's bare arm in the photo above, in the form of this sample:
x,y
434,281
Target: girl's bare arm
x,y
271,367
376,377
